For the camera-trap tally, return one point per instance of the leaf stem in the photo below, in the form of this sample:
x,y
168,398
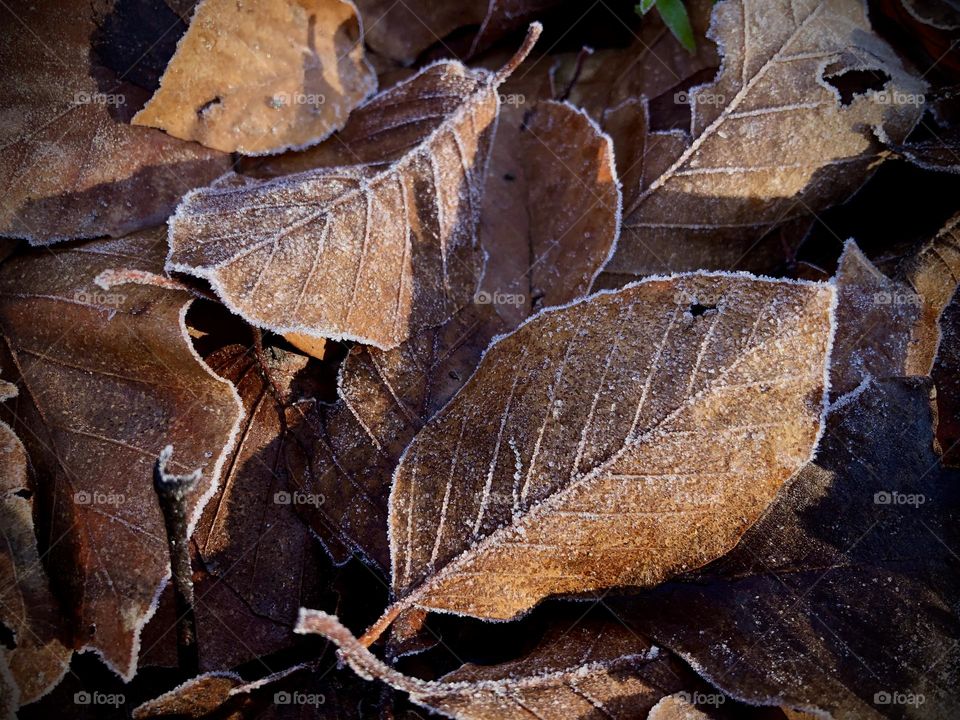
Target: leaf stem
x,y
380,626
172,491
533,33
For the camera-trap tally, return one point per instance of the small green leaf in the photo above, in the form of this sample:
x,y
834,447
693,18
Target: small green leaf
x,y
645,6
675,17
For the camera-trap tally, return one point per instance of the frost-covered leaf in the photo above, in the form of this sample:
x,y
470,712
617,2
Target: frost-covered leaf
x,y
946,377
615,441
263,77
595,670
370,252
769,140
69,168
876,318
843,597
676,707
40,652
106,380
549,222
198,697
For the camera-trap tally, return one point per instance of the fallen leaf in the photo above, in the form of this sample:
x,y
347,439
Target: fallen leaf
x,y
843,598
107,380
594,670
876,317
70,169
769,140
676,707
198,697
263,77
946,377
358,252
933,273
545,248
40,652
577,471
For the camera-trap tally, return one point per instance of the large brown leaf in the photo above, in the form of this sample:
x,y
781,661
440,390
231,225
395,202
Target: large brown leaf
x,y
769,140
946,376
69,168
370,252
616,441
41,654
594,670
549,222
106,381
263,77
843,597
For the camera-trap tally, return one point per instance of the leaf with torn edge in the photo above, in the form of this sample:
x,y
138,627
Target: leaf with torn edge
x,y
263,77
549,222
769,140
596,670
106,381
69,168
862,536
615,441
370,252
40,654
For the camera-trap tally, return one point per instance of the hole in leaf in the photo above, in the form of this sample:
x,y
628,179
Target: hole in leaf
x,y
24,493
696,309
856,82
207,106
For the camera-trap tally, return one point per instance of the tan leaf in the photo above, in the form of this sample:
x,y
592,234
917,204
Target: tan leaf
x,y
615,441
263,77
676,707
69,169
596,670
876,317
769,140
107,380
39,656
196,698
933,273
364,252
549,222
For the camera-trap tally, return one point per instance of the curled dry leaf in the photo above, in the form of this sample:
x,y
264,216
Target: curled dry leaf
x,y
876,317
769,140
70,169
39,656
933,273
594,670
197,698
370,252
549,223
107,380
862,536
615,441
263,77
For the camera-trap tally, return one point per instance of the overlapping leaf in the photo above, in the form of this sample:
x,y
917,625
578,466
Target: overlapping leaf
x,y
95,358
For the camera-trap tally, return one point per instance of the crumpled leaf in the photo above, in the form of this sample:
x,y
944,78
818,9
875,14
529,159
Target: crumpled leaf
x,y
70,169
596,670
263,77
198,697
843,597
876,318
39,656
546,246
106,381
615,441
370,252
769,141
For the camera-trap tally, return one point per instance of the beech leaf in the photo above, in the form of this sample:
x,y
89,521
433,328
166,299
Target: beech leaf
x,y
769,140
263,77
69,168
616,441
106,381
362,252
